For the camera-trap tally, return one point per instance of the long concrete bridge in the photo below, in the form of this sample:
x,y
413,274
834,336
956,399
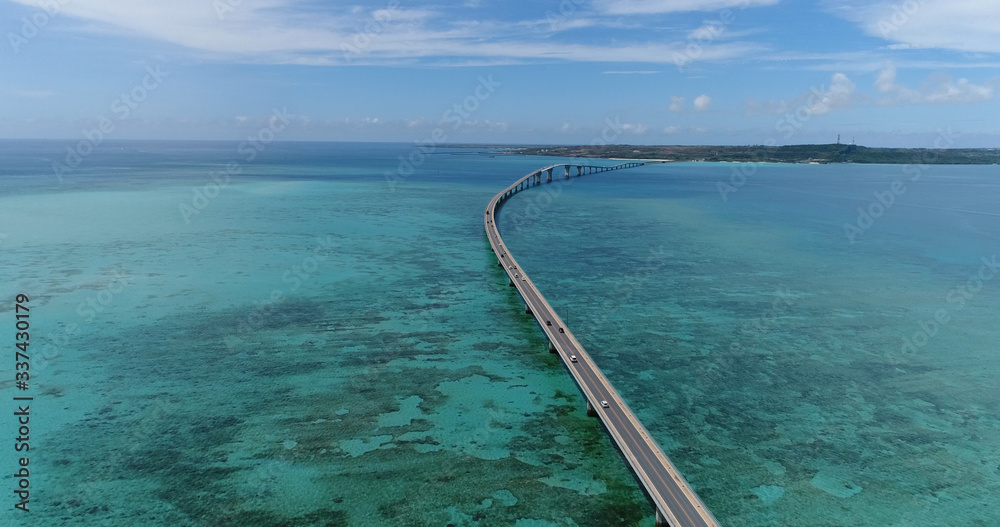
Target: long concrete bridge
x,y
676,503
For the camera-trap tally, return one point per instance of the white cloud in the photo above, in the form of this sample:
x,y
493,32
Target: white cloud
x,y
702,103
938,88
278,32
499,126
676,104
637,7
841,93
962,25
943,89
672,129
634,128
886,83
886,80
631,72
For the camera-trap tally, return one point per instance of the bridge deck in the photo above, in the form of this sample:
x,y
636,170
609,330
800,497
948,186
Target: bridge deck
x,y
676,503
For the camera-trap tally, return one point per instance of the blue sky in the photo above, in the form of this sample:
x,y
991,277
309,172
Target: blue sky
x,y
881,72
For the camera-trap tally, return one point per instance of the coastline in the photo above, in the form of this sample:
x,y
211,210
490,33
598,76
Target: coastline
x,y
791,154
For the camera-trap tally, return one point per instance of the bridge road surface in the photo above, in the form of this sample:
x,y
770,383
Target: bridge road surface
x,y
676,503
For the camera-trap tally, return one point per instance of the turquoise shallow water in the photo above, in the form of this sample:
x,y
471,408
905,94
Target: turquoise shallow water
x,y
321,346
314,347
768,354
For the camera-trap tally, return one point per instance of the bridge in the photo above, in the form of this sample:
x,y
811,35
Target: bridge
x,y
676,503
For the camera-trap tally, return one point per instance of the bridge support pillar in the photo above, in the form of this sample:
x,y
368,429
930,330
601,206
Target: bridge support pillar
x,y
527,309
499,264
567,171
511,282
579,170
548,175
552,347
591,412
660,520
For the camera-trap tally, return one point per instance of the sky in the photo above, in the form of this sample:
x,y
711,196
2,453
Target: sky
x,y
913,73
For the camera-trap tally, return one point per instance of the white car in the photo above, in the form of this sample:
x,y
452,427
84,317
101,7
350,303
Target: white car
x,y
605,404
572,358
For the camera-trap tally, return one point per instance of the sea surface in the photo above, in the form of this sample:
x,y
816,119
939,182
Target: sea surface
x,y
320,336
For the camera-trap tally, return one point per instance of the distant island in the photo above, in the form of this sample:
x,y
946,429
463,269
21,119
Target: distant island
x,y
831,153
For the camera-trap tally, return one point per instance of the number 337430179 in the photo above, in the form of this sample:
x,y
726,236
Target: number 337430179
x,y
22,336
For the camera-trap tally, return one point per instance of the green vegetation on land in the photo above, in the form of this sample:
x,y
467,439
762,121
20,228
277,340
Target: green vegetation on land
x,y
832,153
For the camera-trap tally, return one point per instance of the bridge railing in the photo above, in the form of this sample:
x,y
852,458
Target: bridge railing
x,y
513,270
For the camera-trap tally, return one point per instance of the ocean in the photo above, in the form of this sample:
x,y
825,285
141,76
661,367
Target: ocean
x,y
319,335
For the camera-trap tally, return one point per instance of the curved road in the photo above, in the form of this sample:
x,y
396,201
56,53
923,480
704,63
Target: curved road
x,y
676,503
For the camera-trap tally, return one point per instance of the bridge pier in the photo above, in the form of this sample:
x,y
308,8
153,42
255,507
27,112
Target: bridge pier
x,y
591,412
579,170
511,282
567,171
527,309
552,347
548,176
660,520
